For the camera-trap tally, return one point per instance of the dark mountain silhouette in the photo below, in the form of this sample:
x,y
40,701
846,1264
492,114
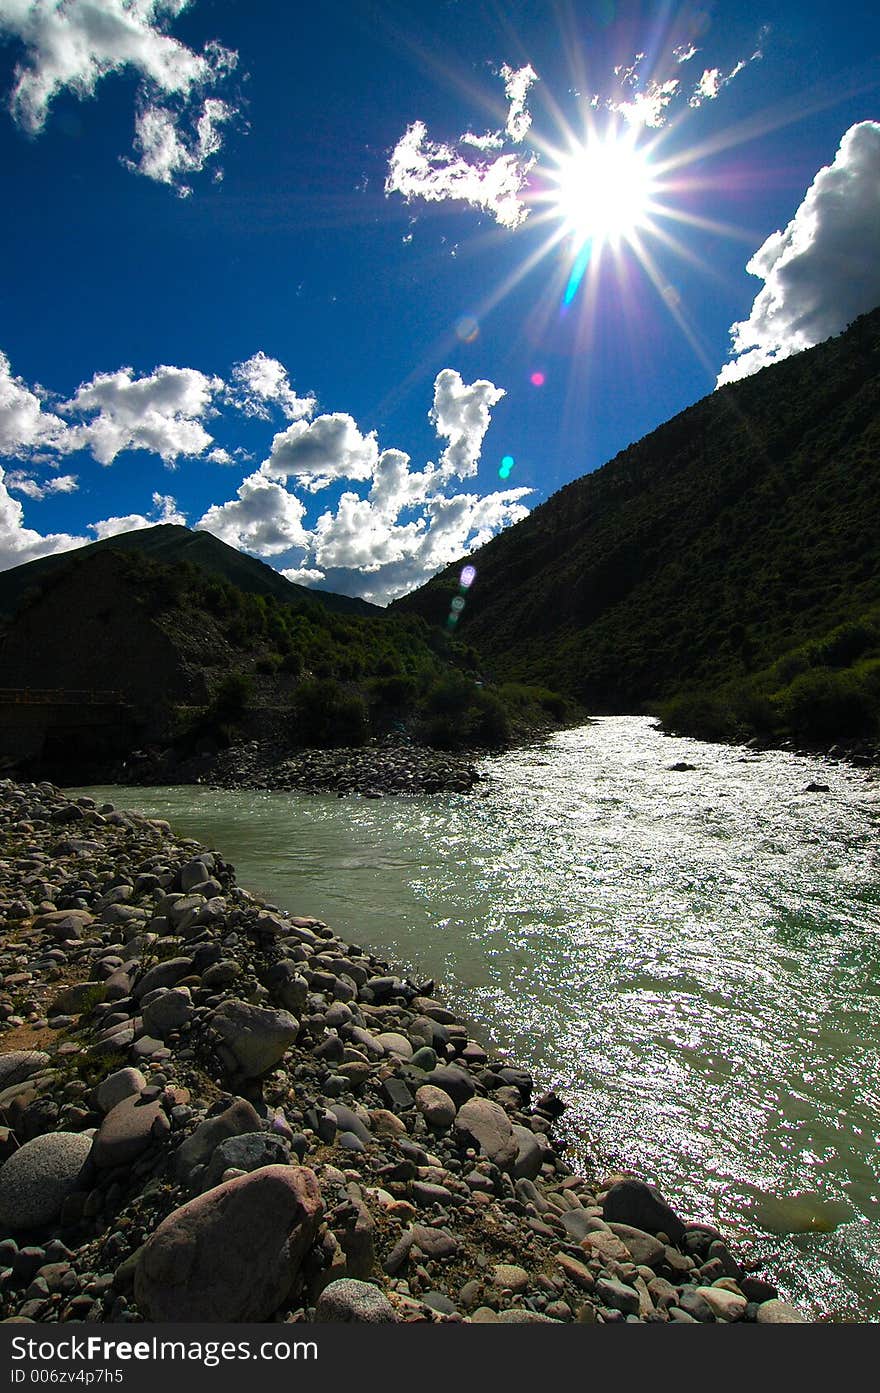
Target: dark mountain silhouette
x,y
170,544
728,563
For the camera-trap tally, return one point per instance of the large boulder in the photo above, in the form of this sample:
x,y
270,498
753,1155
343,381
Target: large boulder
x,y
37,1178
233,1253
253,1039
485,1124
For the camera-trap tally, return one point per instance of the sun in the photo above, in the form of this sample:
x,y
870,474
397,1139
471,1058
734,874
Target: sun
x,y
602,191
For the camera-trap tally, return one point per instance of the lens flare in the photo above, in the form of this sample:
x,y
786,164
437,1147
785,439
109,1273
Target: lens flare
x,y
537,379
466,329
507,464
468,576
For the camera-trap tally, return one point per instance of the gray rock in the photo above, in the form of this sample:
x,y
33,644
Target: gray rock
x,y
348,1121
529,1154
438,1301
124,1083
78,997
643,1247
485,1124
395,1044
618,1296
36,1179
245,1153
64,923
221,974
454,1081
693,1304
235,1121
434,1243
577,1223
18,1065
195,873
168,1012
435,1105
166,974
253,1038
777,1312
233,1253
350,1300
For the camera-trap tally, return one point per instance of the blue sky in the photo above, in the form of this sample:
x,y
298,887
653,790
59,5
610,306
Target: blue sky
x,y
305,276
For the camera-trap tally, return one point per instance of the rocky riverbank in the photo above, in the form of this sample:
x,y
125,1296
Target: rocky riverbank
x,y
373,770
211,1110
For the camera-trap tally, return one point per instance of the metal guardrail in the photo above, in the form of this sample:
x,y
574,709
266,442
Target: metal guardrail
x,y
28,696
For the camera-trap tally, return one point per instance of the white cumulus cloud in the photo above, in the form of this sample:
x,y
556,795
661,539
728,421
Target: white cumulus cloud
x,y
24,424
517,82
164,510
74,44
437,173
407,525
713,80
20,481
648,107
19,543
170,146
262,382
319,451
461,413
823,269
161,412
263,517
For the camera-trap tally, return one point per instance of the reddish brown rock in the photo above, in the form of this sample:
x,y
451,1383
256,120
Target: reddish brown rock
x,y
127,1130
233,1253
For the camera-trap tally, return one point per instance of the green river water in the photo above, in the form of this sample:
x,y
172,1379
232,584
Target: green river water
x,y
691,958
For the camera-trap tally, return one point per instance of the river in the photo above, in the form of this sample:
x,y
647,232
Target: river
x,y
692,958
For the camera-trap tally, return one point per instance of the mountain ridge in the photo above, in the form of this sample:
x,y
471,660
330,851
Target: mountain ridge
x,y
171,543
737,532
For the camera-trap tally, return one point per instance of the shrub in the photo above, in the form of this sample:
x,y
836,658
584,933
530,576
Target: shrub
x,y
397,691
824,704
327,714
490,724
706,715
232,697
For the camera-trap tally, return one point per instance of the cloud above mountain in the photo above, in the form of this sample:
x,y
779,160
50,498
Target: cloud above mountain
x,y
385,527
822,270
